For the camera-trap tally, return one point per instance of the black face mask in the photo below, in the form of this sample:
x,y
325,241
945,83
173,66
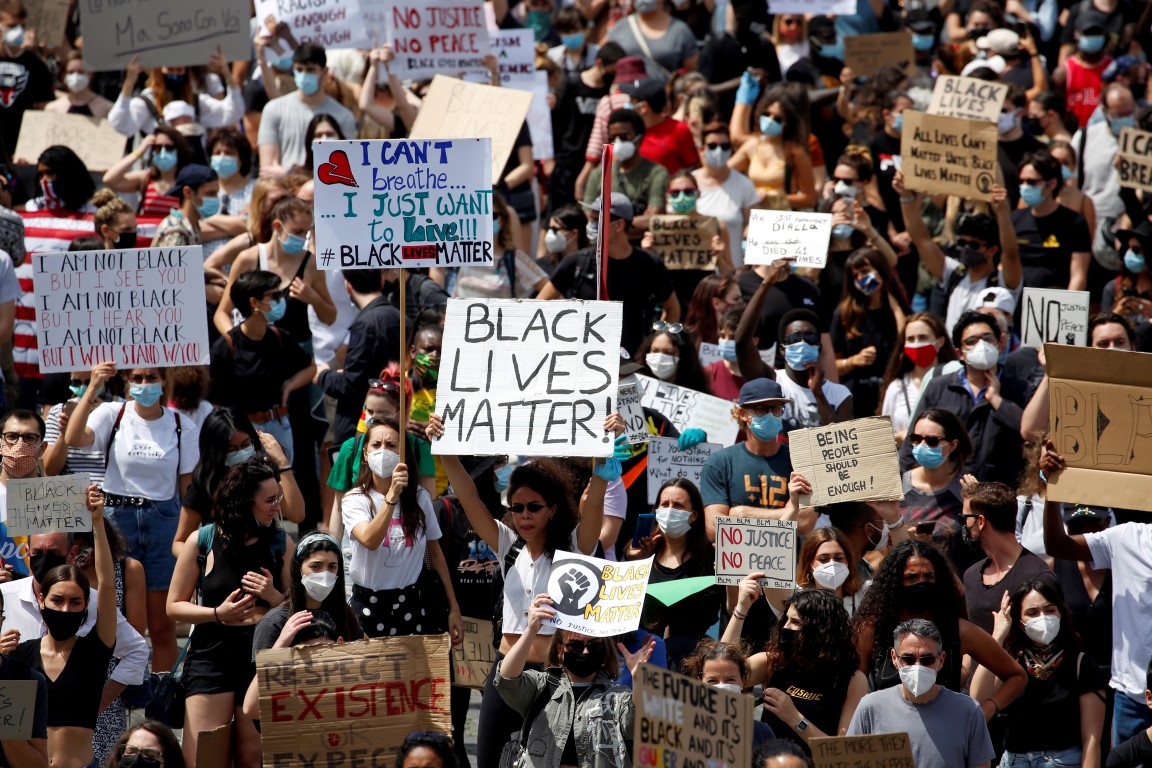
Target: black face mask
x,y
42,562
1032,126
966,536
125,240
137,761
63,625
174,81
918,597
585,664
970,257
788,637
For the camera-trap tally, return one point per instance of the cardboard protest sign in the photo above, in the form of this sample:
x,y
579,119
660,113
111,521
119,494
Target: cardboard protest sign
x,y
683,722
747,545
336,705
688,408
968,98
163,33
850,461
522,376
1135,159
455,109
1100,410
876,750
667,462
948,156
17,708
595,597
48,505
95,142
864,54
629,408
540,118
774,235
434,36
684,242
135,307
816,7
1054,316
49,18
472,660
331,23
404,203
214,747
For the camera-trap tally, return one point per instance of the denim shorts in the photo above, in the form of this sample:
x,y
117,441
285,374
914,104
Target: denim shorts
x,y
148,532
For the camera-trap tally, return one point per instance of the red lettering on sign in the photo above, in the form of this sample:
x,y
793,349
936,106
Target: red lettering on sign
x,y
278,713
418,252
311,706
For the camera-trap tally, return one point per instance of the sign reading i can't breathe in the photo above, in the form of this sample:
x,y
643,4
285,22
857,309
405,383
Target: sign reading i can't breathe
x,y
410,203
597,597
536,377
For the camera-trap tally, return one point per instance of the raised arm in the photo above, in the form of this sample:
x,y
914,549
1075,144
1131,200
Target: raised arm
x,y
78,434
1057,541
465,488
930,253
106,613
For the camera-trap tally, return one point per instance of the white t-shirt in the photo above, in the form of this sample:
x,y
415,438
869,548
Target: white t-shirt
x,y
962,294
1127,550
197,416
144,460
398,561
523,581
727,203
802,411
902,395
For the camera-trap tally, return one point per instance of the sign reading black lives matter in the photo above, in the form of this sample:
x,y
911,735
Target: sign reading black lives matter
x,y
411,203
595,597
528,377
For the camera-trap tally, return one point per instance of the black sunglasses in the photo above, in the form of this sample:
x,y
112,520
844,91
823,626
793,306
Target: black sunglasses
x,y
926,660
718,145
579,646
796,338
963,242
532,506
383,386
79,382
930,440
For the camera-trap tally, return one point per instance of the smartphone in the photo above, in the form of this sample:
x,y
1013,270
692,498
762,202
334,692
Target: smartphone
x,y
644,525
70,406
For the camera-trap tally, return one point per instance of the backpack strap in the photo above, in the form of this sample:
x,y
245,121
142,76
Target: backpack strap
x,y
116,428
510,267
510,558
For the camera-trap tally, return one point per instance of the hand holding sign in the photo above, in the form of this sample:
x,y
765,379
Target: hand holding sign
x,y
540,613
749,592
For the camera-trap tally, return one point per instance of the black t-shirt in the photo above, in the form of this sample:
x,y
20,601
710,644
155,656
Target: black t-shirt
x,y
572,120
24,82
885,153
818,695
249,374
12,668
1020,75
726,57
1046,717
1092,618
523,139
1112,21
793,292
640,281
1047,244
471,562
877,328
984,599
1136,752
692,616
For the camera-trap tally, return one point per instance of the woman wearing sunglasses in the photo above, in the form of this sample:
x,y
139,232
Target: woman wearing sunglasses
x,y
669,354
147,745
543,507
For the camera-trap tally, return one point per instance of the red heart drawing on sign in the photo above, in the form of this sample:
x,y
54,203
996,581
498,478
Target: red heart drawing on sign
x,y
337,170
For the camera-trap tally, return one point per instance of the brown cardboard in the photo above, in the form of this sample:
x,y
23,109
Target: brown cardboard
x,y
454,109
472,660
48,18
1135,159
684,242
864,54
17,708
850,461
214,747
876,750
1101,422
681,721
95,142
352,703
968,98
948,156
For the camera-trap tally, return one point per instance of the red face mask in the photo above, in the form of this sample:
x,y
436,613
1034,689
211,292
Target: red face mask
x,y
923,355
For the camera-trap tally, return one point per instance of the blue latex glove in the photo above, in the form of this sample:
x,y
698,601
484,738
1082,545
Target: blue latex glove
x,y
690,438
749,89
608,469
623,450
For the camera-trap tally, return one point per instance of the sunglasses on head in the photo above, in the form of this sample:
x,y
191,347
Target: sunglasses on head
x,y
382,385
579,646
930,440
662,327
531,507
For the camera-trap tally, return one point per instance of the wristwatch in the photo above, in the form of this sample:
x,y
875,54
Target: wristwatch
x,y
802,725
898,524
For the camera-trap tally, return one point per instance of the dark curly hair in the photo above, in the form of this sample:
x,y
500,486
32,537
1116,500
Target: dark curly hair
x,y
715,650
881,605
555,486
826,640
233,505
1067,639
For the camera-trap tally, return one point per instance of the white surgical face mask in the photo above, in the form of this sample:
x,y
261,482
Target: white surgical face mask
x,y
1042,629
555,241
730,687
318,585
983,356
662,366
844,189
830,575
717,158
917,679
623,150
234,458
673,522
76,81
382,462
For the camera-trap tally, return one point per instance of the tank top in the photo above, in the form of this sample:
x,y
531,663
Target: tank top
x,y
227,570
295,319
767,175
1083,90
80,109
1093,618
818,695
155,205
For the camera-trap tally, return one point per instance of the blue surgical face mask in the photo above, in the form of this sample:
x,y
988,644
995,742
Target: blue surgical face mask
x,y
898,123
307,82
234,458
225,166
923,42
1032,194
80,390
833,50
868,284
292,244
1090,43
766,427
929,458
770,126
799,355
164,159
146,394
1134,262
495,226
284,63
727,349
842,231
1119,123
503,475
209,207
572,41
276,310
1066,173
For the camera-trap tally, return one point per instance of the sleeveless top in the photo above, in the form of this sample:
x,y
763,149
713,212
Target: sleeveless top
x,y
224,577
818,695
1084,87
153,204
295,319
74,696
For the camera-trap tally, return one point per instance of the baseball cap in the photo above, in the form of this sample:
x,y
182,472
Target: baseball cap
x,y
994,297
1119,66
1081,511
620,207
1003,42
1086,25
630,68
994,63
627,365
642,90
194,176
759,391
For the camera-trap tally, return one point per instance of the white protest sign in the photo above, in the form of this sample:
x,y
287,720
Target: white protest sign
x,y
432,37
165,33
709,353
774,235
405,203
522,376
515,50
47,505
597,597
629,408
850,461
967,97
667,462
687,408
330,23
747,545
540,119
1054,316
95,142
135,307
814,7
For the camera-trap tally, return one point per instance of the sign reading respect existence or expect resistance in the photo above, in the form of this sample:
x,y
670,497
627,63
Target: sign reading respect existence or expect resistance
x,y
948,156
47,505
522,376
409,203
774,235
165,33
135,307
598,598
747,545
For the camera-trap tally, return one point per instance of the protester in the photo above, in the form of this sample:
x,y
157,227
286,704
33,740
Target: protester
x,y
149,740
933,504
725,666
